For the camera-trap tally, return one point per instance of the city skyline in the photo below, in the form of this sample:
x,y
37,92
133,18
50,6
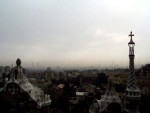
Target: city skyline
x,y
73,33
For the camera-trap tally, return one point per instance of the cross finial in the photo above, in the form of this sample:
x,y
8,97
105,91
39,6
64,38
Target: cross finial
x,y
131,34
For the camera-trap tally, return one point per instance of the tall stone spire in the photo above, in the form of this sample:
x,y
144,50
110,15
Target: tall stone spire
x,y
133,91
132,88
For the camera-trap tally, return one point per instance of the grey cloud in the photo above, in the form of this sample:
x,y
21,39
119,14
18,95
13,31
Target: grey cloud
x,y
70,31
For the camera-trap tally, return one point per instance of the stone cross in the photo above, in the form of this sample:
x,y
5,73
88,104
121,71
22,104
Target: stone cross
x,y
131,34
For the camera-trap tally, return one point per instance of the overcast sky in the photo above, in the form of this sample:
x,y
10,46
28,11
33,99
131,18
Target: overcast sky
x,y
74,32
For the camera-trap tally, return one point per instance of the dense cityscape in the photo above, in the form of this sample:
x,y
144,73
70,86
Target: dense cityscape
x,y
74,56
76,91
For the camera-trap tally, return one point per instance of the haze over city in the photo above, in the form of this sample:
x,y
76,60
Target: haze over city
x,y
73,32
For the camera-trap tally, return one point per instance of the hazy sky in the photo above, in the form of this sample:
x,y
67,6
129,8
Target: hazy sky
x,y
73,32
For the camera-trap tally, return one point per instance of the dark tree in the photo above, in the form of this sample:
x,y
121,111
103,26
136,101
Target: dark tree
x,y
101,79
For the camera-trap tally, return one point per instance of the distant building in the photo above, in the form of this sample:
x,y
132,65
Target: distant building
x,y
1,72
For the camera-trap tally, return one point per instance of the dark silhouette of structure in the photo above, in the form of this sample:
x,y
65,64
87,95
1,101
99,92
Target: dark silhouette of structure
x,y
18,95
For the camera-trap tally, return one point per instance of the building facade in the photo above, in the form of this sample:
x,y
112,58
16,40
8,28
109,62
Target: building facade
x,y
18,95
